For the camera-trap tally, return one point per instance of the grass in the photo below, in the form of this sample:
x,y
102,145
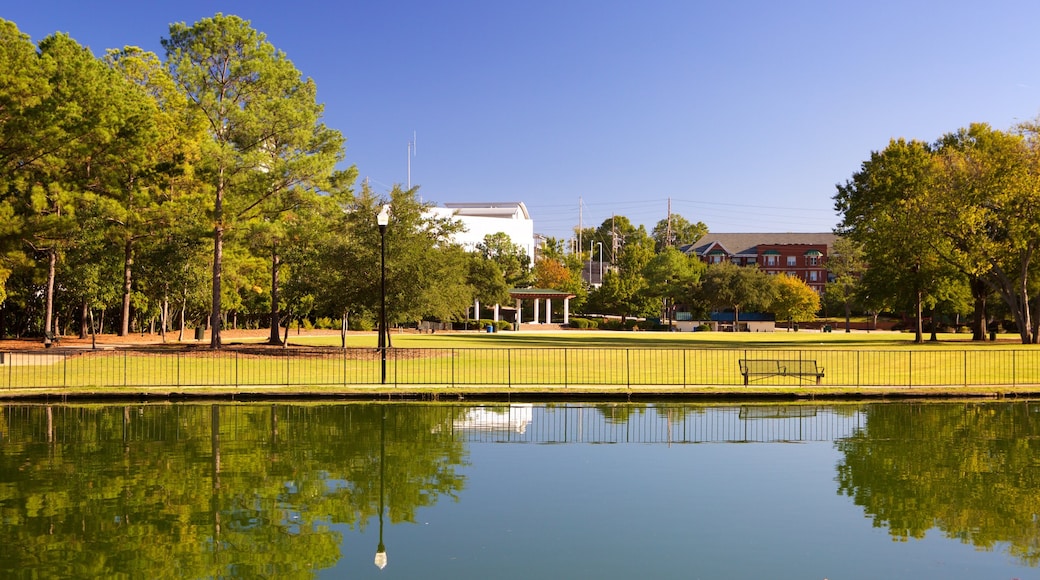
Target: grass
x,y
681,340
572,360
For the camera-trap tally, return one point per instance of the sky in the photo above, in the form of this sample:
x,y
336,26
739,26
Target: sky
x,y
744,115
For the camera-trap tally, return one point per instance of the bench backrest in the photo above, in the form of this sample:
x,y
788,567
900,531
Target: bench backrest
x,y
774,366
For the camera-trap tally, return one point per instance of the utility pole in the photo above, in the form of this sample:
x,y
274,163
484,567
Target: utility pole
x,y
580,247
411,153
613,241
668,231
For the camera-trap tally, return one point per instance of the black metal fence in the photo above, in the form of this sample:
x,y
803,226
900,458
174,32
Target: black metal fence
x,y
517,367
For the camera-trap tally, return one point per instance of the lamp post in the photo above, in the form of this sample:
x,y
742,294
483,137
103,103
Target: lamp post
x,y
600,262
592,248
383,218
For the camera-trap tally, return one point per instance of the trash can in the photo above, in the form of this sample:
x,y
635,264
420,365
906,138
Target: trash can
x,y
993,336
200,333
490,328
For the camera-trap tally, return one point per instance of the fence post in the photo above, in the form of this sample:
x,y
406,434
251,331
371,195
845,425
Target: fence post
x,y
124,369
452,368
566,368
910,375
628,370
509,367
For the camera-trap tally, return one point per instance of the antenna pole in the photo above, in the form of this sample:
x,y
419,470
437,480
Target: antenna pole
x,y
411,153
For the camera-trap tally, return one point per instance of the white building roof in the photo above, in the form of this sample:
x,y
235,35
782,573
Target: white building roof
x,y
481,219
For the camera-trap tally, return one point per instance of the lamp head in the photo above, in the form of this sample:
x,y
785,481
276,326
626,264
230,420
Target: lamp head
x,y
383,218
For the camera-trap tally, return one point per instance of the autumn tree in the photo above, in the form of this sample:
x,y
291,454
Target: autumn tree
x,y
793,299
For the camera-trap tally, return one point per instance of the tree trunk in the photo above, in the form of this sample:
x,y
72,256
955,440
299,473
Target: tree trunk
x,y
848,315
180,333
218,258
93,335
276,263
83,321
979,291
128,265
919,327
48,321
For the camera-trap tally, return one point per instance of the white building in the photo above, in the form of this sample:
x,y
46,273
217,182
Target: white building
x,y
482,219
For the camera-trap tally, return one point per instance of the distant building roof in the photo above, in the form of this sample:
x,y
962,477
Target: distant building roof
x,y
746,244
501,209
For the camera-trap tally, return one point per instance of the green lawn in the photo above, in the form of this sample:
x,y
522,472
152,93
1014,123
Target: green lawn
x,y
556,359
622,339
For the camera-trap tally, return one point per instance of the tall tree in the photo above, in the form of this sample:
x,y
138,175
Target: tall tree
x,y
23,87
258,108
676,231
510,257
671,277
987,214
726,285
846,264
882,208
75,123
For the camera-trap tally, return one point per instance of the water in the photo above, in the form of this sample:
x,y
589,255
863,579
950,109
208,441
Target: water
x,y
523,491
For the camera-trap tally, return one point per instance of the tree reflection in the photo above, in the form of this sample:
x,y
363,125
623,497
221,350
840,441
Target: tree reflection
x,y
209,491
969,470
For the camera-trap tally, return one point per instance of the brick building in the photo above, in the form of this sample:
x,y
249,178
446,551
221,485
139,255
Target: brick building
x,y
802,255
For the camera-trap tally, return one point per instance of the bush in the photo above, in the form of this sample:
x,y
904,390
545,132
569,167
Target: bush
x,y
704,328
326,323
581,323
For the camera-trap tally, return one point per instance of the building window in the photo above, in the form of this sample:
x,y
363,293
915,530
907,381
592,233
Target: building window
x,y
792,261
771,260
812,261
812,275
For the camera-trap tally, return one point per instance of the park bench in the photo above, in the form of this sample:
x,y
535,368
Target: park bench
x,y
755,369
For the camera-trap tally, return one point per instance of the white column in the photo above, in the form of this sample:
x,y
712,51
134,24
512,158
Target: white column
x,y
476,309
536,303
566,310
548,311
496,312
519,316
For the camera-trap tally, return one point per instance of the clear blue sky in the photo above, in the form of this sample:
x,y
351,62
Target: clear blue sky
x,y
745,114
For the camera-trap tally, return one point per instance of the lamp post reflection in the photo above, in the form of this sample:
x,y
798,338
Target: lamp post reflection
x,y
380,560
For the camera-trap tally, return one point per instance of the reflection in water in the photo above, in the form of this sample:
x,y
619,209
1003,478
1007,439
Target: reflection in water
x,y
206,491
511,418
971,471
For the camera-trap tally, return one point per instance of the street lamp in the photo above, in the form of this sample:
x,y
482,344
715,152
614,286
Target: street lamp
x,y
592,247
600,262
383,218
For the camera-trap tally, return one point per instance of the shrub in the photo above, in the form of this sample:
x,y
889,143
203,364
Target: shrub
x,y
325,322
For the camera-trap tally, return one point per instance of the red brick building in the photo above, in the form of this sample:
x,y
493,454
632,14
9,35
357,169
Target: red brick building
x,y
803,256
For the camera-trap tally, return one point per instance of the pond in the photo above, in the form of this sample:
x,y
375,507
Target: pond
x,y
889,490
